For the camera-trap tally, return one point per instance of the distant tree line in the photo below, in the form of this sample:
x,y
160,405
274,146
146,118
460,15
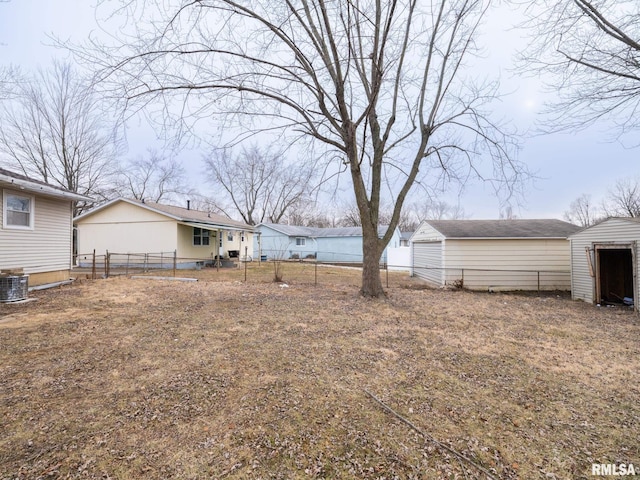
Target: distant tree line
x,y
621,200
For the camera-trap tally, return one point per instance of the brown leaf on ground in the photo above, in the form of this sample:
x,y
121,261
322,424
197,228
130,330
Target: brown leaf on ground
x,y
123,378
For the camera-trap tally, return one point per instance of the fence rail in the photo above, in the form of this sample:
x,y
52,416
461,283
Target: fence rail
x,y
496,279
314,271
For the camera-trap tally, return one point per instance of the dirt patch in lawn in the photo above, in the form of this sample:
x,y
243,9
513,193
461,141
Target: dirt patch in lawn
x,y
124,378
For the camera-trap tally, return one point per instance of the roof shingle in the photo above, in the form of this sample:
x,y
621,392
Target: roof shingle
x,y
515,228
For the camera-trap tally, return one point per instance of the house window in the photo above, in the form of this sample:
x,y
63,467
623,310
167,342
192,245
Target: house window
x,y
230,237
200,236
242,237
18,211
300,242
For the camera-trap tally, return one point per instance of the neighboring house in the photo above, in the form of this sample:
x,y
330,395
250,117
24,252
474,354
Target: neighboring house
x,y
494,254
37,232
342,244
126,226
604,262
405,238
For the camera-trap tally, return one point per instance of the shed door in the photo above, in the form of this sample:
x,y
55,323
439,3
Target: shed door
x,y
427,261
614,273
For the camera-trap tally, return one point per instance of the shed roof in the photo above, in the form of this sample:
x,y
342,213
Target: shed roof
x,y
316,232
177,213
514,228
22,182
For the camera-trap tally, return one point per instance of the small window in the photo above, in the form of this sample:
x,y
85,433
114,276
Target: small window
x,y
242,237
200,237
18,211
300,242
230,237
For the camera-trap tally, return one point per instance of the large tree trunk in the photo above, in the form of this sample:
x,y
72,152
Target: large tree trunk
x,y
371,283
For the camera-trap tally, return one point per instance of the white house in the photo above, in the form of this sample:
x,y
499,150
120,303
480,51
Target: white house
x,y
37,229
493,254
126,226
604,262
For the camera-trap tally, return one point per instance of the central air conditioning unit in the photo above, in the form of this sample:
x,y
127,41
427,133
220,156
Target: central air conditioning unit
x,y
13,287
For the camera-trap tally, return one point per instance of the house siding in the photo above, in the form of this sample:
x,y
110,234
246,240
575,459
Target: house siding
x,y
44,250
237,243
341,249
613,230
187,250
276,244
347,249
126,228
509,264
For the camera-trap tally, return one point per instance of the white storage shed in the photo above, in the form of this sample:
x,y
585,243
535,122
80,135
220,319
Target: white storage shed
x,y
493,254
604,262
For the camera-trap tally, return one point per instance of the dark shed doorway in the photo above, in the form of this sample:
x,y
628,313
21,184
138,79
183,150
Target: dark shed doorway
x,y
614,274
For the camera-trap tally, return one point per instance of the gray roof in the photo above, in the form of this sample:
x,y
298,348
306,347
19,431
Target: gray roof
x,y
315,232
516,228
191,215
180,214
22,182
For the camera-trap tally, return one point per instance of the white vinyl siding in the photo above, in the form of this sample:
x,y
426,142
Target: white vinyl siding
x,y
509,264
427,262
127,228
613,230
46,247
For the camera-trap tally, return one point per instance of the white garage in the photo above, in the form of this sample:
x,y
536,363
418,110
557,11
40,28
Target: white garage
x,y
604,262
494,254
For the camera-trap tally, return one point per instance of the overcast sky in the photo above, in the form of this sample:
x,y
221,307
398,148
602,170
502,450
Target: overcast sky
x,y
567,165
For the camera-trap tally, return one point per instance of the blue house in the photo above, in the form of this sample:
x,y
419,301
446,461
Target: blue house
x,y
343,244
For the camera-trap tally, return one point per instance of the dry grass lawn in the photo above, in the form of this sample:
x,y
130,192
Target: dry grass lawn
x,y
128,379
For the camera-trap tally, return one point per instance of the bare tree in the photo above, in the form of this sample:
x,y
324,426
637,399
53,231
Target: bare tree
x,y
382,85
257,184
583,212
153,177
410,217
507,213
592,50
350,216
415,213
10,77
54,129
308,214
623,199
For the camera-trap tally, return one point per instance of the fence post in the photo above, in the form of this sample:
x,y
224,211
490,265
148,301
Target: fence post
x,y
175,261
146,260
538,282
126,268
93,265
246,260
315,279
107,259
386,267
